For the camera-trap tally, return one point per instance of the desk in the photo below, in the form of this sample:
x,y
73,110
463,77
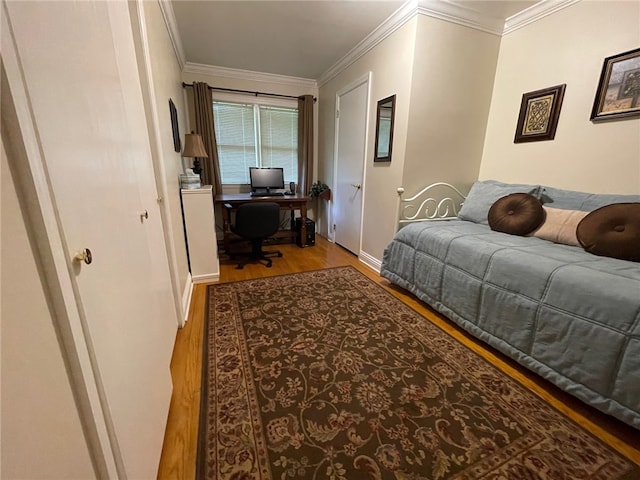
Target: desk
x,y
287,202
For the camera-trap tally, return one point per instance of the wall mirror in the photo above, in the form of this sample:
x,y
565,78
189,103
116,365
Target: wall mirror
x,y
384,129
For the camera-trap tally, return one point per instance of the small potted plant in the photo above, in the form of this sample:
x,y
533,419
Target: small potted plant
x,y
321,190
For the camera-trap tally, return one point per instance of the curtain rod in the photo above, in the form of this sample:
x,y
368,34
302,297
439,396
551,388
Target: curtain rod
x,y
248,92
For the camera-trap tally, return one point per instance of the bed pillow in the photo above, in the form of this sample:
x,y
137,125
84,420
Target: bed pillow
x,y
516,214
612,231
573,200
484,193
560,226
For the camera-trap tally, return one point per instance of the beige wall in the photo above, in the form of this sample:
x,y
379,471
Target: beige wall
x,y
453,74
390,63
455,118
167,83
41,430
566,47
442,74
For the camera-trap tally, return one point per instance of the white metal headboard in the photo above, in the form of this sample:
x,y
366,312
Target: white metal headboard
x,y
426,206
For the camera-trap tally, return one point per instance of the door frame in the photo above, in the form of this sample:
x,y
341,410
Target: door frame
x,y
141,40
364,79
62,290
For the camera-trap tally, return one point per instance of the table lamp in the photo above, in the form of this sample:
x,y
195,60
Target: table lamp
x,y
193,147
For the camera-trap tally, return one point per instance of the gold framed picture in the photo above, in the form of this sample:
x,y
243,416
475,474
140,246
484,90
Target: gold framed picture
x,y
618,93
539,113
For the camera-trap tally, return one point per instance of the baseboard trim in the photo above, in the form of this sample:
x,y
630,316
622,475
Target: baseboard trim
x,y
208,278
186,299
371,262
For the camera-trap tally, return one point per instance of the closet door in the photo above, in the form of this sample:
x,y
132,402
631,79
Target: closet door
x,y
83,97
351,137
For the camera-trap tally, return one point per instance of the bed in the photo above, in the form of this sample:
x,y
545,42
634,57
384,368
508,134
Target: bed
x,y
569,315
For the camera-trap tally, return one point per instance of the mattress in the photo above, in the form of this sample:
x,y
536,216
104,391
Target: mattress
x,y
570,316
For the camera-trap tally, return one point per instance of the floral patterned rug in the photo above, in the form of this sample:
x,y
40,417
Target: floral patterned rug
x,y
326,375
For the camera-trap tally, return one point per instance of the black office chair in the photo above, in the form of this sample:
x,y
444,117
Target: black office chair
x,y
255,222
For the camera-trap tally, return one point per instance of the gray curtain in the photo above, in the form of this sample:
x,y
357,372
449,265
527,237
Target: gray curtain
x,y
305,143
203,106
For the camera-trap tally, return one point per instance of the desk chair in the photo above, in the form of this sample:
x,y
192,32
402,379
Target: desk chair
x,y
255,222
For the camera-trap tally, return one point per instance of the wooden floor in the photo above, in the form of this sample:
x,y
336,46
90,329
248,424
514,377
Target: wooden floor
x,y
179,453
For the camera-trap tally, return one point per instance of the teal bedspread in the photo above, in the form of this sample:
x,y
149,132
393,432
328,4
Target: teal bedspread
x,y
570,316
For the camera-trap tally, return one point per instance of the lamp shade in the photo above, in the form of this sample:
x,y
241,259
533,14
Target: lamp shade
x,y
193,146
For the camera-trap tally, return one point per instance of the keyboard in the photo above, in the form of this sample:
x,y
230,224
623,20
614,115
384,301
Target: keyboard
x,y
265,194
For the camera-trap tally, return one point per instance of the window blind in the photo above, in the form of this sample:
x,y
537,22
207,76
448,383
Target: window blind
x,y
236,139
279,140
252,135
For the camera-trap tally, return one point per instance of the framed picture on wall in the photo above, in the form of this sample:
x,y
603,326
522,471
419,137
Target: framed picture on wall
x,y
618,93
174,126
539,113
384,129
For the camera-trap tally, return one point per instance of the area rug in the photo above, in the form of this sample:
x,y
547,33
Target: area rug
x,y
326,375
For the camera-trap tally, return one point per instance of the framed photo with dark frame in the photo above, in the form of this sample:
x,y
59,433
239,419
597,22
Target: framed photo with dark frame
x,y
539,113
174,126
618,93
385,115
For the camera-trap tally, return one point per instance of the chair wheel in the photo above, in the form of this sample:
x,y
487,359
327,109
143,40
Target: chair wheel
x,y
268,265
279,254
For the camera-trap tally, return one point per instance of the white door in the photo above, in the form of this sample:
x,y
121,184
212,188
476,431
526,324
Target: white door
x,y
351,130
83,91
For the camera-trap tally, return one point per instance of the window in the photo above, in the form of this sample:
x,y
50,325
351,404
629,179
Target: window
x,y
254,135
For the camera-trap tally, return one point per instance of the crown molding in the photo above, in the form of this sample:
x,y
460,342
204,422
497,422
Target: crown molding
x,y
201,69
460,15
440,9
401,16
449,12
172,29
433,8
535,13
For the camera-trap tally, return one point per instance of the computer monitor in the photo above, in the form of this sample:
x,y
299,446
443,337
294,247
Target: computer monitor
x,y
265,179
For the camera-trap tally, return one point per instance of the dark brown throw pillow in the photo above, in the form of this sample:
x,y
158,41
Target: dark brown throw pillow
x,y
517,214
612,231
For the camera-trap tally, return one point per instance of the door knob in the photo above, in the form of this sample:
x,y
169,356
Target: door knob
x,y
83,256
356,185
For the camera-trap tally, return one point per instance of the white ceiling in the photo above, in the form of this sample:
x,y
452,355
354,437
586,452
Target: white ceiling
x,y
302,38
